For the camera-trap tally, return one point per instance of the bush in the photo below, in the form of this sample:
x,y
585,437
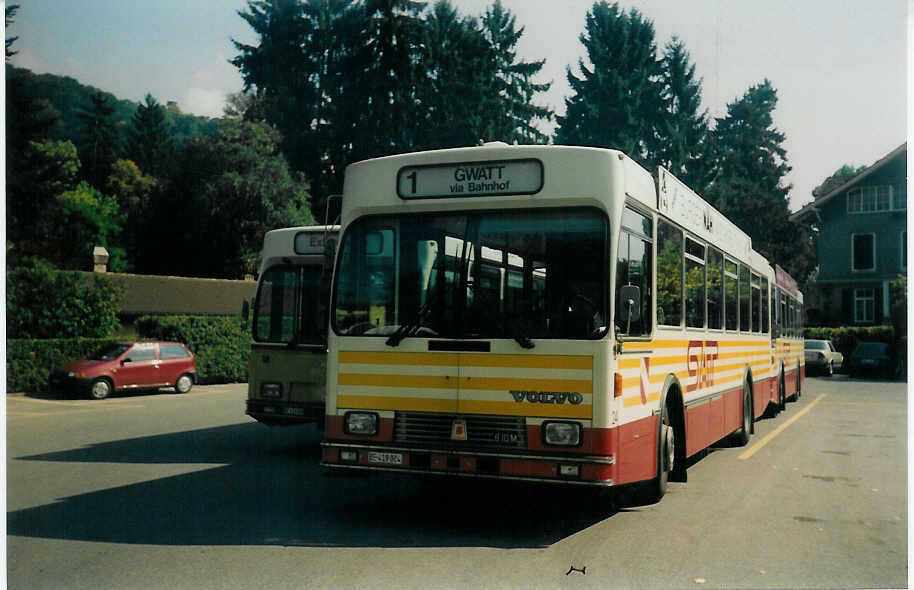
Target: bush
x,y
29,362
219,344
45,303
845,338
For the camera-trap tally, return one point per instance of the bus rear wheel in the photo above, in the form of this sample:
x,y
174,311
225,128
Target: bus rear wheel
x,y
741,436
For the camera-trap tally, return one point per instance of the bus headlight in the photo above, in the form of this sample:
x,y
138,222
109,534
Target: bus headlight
x,y
361,423
562,434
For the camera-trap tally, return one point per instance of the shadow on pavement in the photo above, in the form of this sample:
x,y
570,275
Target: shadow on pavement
x,y
273,492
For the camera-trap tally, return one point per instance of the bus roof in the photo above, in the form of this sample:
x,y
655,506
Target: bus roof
x,y
493,175
297,241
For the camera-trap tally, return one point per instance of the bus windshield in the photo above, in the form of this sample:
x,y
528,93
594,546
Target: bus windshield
x,y
289,307
523,274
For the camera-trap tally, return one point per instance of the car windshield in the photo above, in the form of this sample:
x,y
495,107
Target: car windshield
x,y
111,352
815,345
871,349
532,273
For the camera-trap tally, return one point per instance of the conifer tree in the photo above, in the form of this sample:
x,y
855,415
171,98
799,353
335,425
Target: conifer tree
x,y
747,185
683,146
513,114
149,141
98,138
616,100
457,71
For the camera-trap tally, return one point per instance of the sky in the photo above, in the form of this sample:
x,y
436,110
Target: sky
x,y
839,67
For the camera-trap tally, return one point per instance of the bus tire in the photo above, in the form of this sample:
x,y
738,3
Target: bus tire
x,y
782,396
741,436
666,458
799,383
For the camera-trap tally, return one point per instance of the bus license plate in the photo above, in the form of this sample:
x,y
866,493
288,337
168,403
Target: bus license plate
x,y
387,458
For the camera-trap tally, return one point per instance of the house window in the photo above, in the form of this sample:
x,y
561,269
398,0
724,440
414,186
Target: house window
x,y
864,306
863,252
900,197
871,199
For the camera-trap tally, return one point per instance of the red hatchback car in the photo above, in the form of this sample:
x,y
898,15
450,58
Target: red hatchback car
x,y
138,365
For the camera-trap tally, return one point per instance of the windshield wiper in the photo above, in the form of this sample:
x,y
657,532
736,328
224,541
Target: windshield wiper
x,y
410,329
520,336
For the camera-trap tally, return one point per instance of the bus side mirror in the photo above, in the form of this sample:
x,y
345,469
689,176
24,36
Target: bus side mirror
x,y
245,312
628,304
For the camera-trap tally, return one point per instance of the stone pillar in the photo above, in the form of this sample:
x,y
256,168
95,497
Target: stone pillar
x,y
100,259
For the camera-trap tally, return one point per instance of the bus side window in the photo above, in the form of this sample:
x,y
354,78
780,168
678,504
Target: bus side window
x,y
744,325
669,275
715,289
633,268
731,298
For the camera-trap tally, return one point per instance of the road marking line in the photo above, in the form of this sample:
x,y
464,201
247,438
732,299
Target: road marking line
x,y
770,436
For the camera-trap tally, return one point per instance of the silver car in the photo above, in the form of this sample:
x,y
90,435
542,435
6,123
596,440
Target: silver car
x,y
821,356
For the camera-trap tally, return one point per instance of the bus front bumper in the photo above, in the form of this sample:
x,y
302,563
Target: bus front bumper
x,y
284,413
580,470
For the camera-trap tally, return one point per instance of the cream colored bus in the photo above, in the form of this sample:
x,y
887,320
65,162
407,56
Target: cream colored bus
x,y
288,360
544,313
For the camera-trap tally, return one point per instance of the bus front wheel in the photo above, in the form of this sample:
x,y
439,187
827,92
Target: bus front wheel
x,y
666,458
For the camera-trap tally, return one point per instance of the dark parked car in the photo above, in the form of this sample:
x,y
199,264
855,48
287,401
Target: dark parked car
x,y
822,356
129,365
877,358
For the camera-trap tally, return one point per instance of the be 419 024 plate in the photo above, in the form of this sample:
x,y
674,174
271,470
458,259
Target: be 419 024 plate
x,y
385,458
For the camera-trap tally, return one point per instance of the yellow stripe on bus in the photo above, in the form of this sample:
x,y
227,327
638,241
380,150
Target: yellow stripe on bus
x,y
507,384
466,360
474,383
398,358
402,381
521,361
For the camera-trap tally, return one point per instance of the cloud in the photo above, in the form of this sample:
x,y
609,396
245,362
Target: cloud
x,y
206,102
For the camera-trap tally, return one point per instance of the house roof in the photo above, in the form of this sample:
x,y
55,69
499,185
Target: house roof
x,y
811,208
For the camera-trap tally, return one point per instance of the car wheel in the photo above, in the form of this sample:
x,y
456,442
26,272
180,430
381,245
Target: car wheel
x,y
184,383
100,389
830,369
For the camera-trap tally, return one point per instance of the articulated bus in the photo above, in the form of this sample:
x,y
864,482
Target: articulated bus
x,y
288,358
547,313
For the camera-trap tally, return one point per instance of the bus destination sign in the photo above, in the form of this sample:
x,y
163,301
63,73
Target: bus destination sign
x,y
470,179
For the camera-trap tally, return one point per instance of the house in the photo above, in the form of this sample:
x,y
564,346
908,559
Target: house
x,y
862,243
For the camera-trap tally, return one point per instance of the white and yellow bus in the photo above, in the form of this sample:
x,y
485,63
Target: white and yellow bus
x,y
546,313
288,360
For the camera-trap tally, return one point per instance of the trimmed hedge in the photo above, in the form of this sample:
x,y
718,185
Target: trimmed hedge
x,y
45,303
219,344
845,338
29,362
